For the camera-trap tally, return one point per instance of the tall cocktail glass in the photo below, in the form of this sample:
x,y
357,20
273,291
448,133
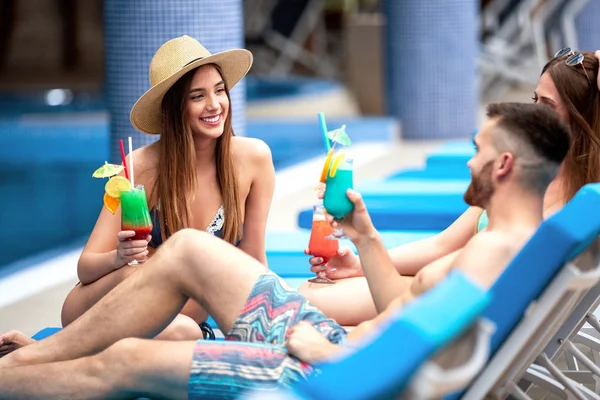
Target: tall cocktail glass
x,y
319,245
335,200
135,215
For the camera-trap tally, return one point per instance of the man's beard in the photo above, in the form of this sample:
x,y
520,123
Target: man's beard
x,y
480,189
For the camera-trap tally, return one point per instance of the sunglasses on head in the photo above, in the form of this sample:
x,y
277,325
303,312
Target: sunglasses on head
x,y
573,60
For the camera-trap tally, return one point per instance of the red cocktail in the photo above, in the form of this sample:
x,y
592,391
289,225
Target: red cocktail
x,y
318,245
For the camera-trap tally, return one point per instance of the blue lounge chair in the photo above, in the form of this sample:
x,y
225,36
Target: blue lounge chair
x,y
521,337
447,162
455,156
523,303
430,213
432,173
392,189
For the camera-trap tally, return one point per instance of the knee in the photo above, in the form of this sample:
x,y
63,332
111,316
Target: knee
x,y
188,240
116,366
122,354
187,237
181,328
68,309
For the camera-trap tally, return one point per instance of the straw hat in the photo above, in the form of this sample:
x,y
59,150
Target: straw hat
x,y
173,60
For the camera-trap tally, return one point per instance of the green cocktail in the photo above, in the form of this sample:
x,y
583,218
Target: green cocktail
x,y
134,213
335,200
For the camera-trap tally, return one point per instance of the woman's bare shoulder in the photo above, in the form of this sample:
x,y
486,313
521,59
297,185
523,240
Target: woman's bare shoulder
x,y
251,149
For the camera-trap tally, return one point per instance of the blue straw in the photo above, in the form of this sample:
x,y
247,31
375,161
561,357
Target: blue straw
x,y
323,126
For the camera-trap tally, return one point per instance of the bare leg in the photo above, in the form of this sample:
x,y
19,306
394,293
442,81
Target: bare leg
x,y
128,369
182,328
191,263
83,297
349,301
13,340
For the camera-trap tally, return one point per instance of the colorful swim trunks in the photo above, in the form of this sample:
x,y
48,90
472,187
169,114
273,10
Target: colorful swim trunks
x,y
253,355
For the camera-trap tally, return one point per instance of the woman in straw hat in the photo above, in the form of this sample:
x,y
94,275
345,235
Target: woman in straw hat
x,y
570,84
198,175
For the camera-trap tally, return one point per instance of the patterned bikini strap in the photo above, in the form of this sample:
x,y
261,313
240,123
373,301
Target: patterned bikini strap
x,y
217,222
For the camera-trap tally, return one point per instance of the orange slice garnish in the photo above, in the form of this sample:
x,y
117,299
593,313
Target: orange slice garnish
x,y
326,166
111,203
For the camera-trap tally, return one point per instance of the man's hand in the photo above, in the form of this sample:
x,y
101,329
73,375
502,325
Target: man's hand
x,y
307,344
357,225
343,265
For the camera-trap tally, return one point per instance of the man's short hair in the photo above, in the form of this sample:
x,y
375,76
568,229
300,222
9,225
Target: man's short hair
x,y
536,136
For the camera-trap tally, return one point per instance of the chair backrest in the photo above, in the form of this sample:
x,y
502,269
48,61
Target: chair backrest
x,y
559,239
402,349
537,291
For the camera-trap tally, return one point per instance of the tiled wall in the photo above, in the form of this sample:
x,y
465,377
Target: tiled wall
x,y
431,49
135,29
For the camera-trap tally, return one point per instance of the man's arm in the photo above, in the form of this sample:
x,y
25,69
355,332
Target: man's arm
x,y
483,260
410,258
385,284
381,267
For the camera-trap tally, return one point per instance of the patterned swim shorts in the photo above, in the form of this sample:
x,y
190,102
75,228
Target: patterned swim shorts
x,y
253,355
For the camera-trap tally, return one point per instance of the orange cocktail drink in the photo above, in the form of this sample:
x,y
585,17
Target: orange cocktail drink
x,y
318,245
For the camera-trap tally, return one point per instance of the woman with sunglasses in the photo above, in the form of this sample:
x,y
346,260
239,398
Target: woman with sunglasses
x,y
569,84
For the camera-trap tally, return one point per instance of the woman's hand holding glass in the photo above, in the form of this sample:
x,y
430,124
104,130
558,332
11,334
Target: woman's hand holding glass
x,y
130,250
343,265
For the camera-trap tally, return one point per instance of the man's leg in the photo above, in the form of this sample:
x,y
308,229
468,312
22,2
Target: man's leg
x,y
134,368
190,264
129,368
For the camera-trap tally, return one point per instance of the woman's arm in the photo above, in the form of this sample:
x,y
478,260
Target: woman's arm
x,y
99,256
411,257
259,199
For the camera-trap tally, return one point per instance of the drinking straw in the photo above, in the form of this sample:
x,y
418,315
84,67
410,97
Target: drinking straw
x,y
131,163
324,131
123,158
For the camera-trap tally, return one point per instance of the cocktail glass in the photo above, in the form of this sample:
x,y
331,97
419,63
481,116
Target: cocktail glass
x,y
318,245
135,215
335,200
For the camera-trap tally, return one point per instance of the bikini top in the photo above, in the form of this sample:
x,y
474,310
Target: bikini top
x,y
482,222
214,228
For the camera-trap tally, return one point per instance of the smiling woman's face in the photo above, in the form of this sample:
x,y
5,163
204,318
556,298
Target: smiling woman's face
x,y
547,93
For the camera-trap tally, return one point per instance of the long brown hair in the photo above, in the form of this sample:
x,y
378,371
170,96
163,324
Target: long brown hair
x,y
176,181
581,98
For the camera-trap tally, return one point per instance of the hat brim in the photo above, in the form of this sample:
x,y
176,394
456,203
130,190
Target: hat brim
x,y
146,113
